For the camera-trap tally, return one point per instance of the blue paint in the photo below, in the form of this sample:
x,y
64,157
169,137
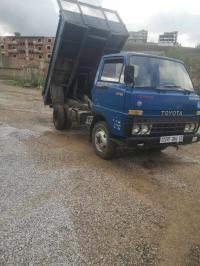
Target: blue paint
x,y
114,108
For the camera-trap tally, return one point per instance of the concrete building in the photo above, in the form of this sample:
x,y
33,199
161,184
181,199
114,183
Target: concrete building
x,y
23,50
138,36
168,38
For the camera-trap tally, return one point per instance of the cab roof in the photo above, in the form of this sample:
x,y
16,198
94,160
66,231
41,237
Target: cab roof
x,y
129,54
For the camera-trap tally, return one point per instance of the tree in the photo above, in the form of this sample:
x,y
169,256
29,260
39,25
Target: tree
x,y
17,34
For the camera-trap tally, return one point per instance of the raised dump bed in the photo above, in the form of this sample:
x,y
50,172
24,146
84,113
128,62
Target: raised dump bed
x,y
84,34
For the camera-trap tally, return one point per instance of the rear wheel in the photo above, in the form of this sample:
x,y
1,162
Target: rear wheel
x,y
61,117
102,144
68,119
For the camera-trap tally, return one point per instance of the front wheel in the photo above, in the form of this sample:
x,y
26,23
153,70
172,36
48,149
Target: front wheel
x,y
102,144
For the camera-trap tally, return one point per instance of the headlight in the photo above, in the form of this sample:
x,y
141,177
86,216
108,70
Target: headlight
x,y
144,129
190,127
141,129
136,129
187,128
193,127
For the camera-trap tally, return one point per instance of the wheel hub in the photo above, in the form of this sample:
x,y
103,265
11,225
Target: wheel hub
x,y
101,140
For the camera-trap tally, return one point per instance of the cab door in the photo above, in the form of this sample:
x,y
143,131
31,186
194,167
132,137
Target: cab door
x,y
109,95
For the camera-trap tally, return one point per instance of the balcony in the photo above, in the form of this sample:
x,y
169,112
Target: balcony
x,y
21,48
11,42
37,51
38,42
12,51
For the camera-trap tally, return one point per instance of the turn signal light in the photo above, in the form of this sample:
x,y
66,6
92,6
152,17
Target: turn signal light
x,y
135,112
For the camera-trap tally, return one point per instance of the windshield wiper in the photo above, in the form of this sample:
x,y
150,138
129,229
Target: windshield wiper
x,y
169,86
186,91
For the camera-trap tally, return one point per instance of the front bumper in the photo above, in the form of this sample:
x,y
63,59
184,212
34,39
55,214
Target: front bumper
x,y
150,142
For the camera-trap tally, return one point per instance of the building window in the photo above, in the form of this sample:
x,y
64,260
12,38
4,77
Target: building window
x,y
2,46
49,56
14,56
40,56
13,40
14,47
48,47
39,40
39,48
49,40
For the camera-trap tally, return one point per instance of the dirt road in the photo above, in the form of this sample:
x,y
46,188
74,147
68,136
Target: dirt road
x,y
62,205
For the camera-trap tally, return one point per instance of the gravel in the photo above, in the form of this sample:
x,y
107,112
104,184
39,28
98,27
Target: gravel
x,y
61,205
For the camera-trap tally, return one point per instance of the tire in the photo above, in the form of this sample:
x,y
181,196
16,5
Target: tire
x,y
59,117
102,144
57,95
68,120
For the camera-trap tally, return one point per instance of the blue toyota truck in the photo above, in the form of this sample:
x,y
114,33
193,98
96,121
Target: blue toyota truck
x,y
130,99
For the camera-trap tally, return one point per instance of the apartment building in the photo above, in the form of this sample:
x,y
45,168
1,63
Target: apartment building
x,y
138,37
32,50
168,38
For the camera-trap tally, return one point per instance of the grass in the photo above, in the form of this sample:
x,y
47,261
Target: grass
x,y
28,78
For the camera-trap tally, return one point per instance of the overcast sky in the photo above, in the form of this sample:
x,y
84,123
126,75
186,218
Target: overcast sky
x,y
40,17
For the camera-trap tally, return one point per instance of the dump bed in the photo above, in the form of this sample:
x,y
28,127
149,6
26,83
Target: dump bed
x,y
84,34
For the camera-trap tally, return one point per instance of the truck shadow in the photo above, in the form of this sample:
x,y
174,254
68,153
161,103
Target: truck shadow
x,y
77,141
151,160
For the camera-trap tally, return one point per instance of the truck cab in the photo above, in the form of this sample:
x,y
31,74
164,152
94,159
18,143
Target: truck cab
x,y
145,101
129,99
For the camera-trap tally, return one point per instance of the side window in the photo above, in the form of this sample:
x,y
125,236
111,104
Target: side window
x,y
112,70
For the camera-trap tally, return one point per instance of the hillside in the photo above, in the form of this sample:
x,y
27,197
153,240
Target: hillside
x,y
190,56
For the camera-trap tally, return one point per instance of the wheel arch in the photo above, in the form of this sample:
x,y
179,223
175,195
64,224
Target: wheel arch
x,y
97,118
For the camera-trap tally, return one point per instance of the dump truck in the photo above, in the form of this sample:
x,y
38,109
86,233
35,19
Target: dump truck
x,y
125,99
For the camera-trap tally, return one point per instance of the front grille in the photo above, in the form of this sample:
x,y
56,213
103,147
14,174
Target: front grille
x,y
161,127
167,129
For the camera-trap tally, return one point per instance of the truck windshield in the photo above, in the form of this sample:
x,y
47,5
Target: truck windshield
x,y
151,72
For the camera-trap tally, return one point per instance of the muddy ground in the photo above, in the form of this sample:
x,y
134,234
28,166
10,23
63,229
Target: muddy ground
x,y
62,205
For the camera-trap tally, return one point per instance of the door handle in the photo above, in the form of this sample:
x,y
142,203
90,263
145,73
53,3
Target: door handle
x,y
102,88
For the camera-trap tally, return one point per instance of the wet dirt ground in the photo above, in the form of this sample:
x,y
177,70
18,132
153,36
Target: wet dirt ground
x,y
62,205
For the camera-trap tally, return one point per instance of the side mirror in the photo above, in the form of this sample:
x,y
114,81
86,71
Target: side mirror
x,y
129,74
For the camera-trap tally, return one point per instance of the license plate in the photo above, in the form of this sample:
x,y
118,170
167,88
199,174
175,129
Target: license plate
x,y
89,120
171,139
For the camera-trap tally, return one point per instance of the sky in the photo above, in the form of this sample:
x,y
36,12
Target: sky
x,y
40,17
